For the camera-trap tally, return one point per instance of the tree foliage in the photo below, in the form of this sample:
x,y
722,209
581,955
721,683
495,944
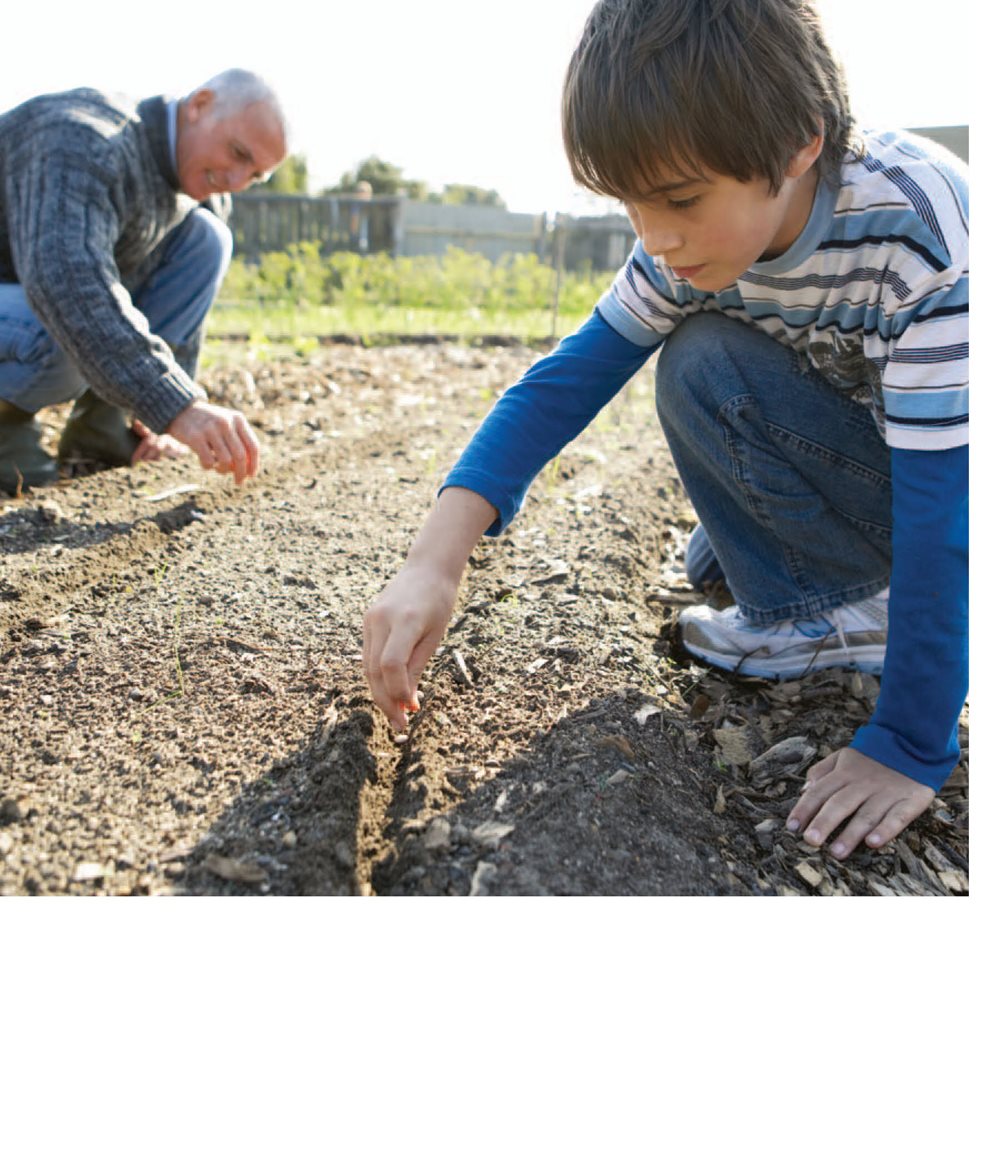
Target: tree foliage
x,y
291,177
388,179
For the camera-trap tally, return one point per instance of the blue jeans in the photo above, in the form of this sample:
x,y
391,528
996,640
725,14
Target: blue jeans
x,y
175,299
788,476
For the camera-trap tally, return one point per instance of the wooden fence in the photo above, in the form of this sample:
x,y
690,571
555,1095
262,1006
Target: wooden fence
x,y
271,222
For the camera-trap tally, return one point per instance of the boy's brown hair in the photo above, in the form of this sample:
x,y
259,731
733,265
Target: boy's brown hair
x,y
735,86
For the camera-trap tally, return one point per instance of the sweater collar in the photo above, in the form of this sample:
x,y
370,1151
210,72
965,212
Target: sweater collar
x,y
153,113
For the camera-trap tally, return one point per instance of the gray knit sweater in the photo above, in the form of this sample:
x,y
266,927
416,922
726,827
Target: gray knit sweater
x,y
88,192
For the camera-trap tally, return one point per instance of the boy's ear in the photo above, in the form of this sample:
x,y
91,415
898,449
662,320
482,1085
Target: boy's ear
x,y
803,158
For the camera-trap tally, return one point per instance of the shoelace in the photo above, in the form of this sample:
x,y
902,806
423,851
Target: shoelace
x,y
835,619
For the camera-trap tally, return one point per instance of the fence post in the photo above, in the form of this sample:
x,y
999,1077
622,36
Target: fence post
x,y
559,256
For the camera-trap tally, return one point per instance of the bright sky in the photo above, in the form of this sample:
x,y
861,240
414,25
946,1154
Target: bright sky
x,y
450,90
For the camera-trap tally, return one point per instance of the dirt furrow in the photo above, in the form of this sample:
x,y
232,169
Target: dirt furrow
x,y
184,706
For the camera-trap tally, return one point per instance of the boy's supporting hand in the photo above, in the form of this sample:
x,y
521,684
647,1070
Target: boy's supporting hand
x,y
406,622
848,785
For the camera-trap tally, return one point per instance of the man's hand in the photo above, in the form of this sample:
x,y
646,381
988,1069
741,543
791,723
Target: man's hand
x,y
878,801
222,439
152,447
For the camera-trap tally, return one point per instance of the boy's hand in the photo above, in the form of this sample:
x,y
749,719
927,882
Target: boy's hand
x,y
402,629
878,801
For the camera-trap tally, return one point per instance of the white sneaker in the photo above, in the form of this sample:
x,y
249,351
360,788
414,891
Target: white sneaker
x,y
851,637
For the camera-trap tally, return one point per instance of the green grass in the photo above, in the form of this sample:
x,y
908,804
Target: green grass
x,y
299,296
277,322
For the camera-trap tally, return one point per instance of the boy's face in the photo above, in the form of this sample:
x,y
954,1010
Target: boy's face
x,y
709,231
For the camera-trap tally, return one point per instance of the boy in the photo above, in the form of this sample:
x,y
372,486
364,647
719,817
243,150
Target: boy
x,y
809,288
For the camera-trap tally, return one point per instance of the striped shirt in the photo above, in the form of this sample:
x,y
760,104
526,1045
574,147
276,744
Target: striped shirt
x,y
873,295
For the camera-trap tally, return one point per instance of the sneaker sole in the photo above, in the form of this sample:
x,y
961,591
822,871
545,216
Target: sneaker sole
x,y
870,661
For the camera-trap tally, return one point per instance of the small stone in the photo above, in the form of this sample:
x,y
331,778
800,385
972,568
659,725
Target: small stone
x,y
6,844
437,837
490,833
50,512
289,839
645,713
88,872
11,811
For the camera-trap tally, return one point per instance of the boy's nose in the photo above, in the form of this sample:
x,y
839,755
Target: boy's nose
x,y
661,240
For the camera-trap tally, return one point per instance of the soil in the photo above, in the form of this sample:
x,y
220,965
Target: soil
x,y
185,711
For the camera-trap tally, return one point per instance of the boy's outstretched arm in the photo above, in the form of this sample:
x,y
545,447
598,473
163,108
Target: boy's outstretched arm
x,y
407,620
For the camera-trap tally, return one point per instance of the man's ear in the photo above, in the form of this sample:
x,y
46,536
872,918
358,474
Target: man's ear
x,y
803,158
198,105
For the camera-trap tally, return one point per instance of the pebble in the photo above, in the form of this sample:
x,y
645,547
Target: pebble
x,y
438,835
50,512
11,811
6,843
490,833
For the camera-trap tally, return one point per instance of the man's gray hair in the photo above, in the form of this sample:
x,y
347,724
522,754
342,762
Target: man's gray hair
x,y
235,89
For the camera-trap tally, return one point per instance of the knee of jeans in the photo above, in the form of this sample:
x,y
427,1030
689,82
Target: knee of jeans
x,y
59,378
49,377
688,370
211,243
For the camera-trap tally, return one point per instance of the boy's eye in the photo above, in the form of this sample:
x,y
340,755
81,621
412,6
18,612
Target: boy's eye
x,y
682,204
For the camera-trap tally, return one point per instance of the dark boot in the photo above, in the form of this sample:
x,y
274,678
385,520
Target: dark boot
x,y
23,462
97,432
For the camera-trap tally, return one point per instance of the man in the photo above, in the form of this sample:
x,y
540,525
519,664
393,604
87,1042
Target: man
x,y
113,245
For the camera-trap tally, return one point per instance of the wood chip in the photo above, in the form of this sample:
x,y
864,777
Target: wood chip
x,y
483,872
720,802
463,670
235,870
174,490
809,873
955,881
786,759
734,744
617,742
